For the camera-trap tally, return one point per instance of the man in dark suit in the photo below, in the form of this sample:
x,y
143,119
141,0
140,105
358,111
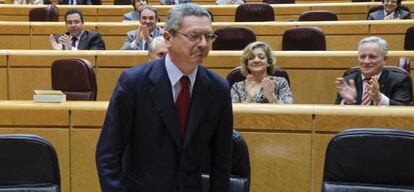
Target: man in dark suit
x,y
76,38
372,84
75,2
166,115
174,2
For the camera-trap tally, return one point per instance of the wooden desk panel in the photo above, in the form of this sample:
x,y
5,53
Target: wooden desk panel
x,y
24,80
320,143
107,79
34,117
83,167
279,162
339,118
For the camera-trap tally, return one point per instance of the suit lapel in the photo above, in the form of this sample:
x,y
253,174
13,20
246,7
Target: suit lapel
x,y
83,41
358,84
161,95
382,81
202,92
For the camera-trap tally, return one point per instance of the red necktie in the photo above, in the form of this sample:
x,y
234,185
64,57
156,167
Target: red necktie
x,y
183,104
365,96
74,39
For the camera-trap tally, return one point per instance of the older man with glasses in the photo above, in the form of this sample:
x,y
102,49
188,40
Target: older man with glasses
x,y
165,116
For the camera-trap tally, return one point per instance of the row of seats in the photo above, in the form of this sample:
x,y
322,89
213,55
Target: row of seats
x,y
380,160
244,13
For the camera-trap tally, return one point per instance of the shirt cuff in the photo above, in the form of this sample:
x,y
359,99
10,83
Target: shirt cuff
x,y
134,45
384,100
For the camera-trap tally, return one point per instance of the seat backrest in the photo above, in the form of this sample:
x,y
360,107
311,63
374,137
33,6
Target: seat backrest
x,y
28,163
237,184
279,1
235,75
240,166
318,16
233,38
96,2
48,13
304,39
76,78
254,12
370,160
122,2
409,39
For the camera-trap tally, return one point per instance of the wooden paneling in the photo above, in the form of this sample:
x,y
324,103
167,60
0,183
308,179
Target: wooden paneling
x,y
279,162
287,143
84,177
312,74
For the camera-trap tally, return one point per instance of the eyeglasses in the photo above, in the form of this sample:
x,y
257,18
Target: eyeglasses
x,y
390,1
209,36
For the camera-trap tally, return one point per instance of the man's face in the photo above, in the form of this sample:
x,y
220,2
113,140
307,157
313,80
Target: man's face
x,y
390,5
139,4
190,51
160,49
74,24
149,19
371,61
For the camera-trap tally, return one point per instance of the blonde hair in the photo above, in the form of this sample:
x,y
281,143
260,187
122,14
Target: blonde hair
x,y
248,51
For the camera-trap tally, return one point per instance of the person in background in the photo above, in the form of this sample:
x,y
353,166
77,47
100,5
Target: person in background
x,y
391,10
258,64
134,15
75,2
76,38
229,2
174,2
140,38
157,48
31,2
373,85
166,115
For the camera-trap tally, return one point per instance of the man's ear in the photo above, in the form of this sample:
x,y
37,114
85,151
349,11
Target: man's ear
x,y
385,58
167,37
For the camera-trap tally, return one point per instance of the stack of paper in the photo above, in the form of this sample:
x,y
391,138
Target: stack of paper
x,y
49,96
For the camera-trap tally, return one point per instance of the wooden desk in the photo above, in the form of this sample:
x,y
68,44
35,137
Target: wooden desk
x,y
312,74
340,35
286,143
345,10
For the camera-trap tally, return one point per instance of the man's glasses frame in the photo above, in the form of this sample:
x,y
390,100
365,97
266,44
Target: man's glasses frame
x,y
209,36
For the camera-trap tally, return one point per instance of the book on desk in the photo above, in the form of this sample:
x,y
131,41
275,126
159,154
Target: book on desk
x,y
49,96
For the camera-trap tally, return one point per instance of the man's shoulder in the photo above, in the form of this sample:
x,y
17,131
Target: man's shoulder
x,y
91,33
395,73
214,78
143,70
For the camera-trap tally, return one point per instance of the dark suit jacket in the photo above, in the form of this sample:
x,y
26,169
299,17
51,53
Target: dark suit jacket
x,y
90,41
395,85
78,2
141,127
379,14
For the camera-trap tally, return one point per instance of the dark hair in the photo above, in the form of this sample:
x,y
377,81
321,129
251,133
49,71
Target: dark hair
x,y
151,8
133,3
398,2
73,11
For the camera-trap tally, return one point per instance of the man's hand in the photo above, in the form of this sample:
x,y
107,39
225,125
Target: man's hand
x,y
373,90
138,36
65,40
55,45
269,87
145,33
346,90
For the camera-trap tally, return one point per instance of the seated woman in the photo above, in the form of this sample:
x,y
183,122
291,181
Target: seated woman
x,y
258,63
391,10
